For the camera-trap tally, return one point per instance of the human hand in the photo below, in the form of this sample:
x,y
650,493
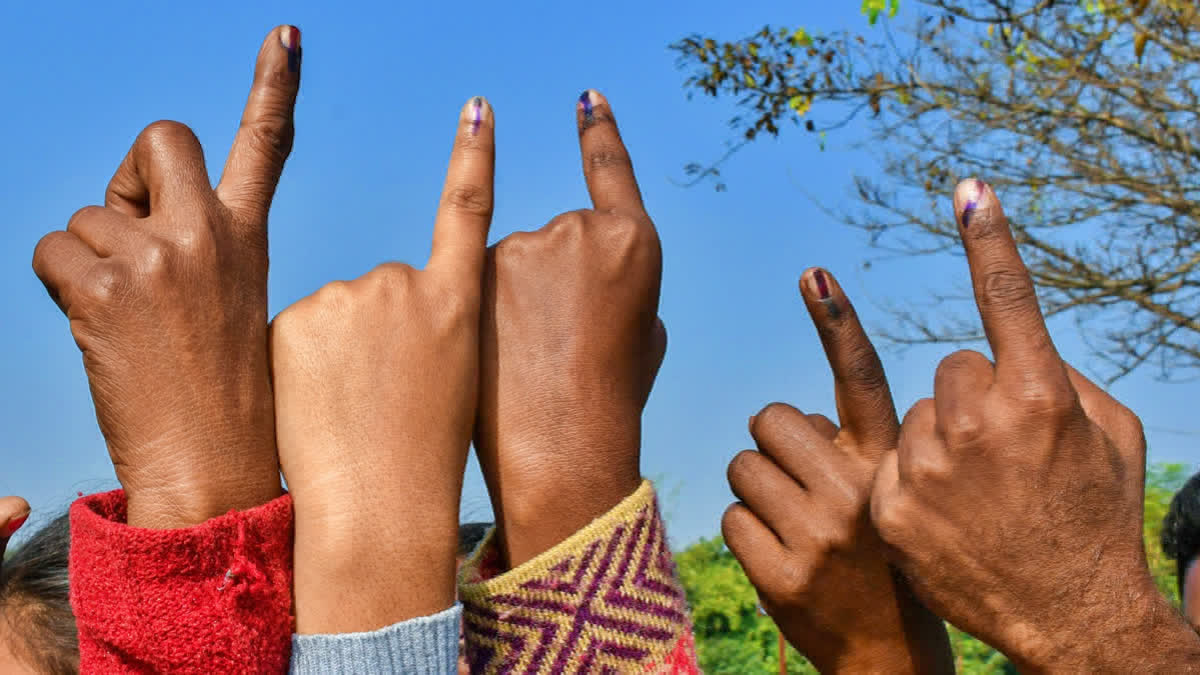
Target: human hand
x,y
1014,502
802,530
571,345
165,287
14,511
376,385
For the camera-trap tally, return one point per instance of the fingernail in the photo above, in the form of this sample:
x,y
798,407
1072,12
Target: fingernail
x,y
825,295
973,202
476,111
822,284
586,101
290,38
751,423
14,525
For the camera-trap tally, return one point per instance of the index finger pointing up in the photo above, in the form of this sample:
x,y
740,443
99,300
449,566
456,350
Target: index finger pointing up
x,y
264,138
465,211
607,167
1004,291
864,401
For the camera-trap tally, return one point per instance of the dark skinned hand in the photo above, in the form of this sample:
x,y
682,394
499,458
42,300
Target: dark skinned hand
x,y
802,529
1014,501
165,287
571,345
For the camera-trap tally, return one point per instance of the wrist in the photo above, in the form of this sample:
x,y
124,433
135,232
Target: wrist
x,y
1138,631
179,504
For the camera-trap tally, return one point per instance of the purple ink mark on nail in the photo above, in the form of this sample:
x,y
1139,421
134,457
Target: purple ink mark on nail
x,y
477,103
968,211
825,296
586,101
822,284
293,48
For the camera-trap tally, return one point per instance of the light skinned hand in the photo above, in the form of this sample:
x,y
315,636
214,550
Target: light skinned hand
x,y
376,384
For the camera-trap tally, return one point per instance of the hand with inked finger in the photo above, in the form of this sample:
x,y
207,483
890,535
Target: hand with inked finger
x,y
802,530
1014,502
571,345
165,287
376,385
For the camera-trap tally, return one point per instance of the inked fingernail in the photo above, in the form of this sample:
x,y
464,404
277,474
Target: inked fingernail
x,y
973,203
585,101
825,295
822,284
14,525
476,111
290,38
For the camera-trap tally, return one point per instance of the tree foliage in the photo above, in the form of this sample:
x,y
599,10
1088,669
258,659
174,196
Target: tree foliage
x,y
732,636
1082,114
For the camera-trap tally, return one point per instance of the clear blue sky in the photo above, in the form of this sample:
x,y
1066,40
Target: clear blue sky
x,y
383,83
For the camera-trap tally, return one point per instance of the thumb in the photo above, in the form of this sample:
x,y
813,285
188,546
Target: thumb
x,y
14,511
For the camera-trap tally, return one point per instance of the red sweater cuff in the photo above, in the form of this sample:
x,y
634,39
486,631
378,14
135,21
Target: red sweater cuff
x,y
214,598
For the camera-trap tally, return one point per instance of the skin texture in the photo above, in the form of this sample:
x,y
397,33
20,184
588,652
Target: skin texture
x,y
165,287
376,386
802,530
1014,501
570,346
13,513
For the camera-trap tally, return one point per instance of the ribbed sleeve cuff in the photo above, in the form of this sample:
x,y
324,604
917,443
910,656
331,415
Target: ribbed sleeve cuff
x,y
606,599
214,598
427,644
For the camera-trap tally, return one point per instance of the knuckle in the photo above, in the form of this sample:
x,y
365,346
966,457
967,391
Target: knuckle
x,y
608,156
887,515
1046,396
1007,289
104,283
269,134
797,578
41,252
166,133
154,257
742,468
920,411
925,467
864,372
963,428
469,199
86,213
774,414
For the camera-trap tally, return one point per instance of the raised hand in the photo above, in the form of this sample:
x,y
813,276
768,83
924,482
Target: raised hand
x,y
1014,502
801,530
165,287
571,345
376,387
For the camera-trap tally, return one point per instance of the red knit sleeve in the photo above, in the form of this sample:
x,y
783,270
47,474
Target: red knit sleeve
x,y
214,598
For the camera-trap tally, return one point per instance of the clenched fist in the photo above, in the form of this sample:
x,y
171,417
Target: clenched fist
x,y
165,287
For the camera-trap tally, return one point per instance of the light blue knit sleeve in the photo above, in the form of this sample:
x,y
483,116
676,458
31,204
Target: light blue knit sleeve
x,y
426,644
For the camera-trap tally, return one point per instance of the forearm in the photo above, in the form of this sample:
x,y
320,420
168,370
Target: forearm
x,y
538,507
1144,636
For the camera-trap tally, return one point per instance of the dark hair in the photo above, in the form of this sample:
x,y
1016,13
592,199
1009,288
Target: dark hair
x,y
1181,527
35,603
469,536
